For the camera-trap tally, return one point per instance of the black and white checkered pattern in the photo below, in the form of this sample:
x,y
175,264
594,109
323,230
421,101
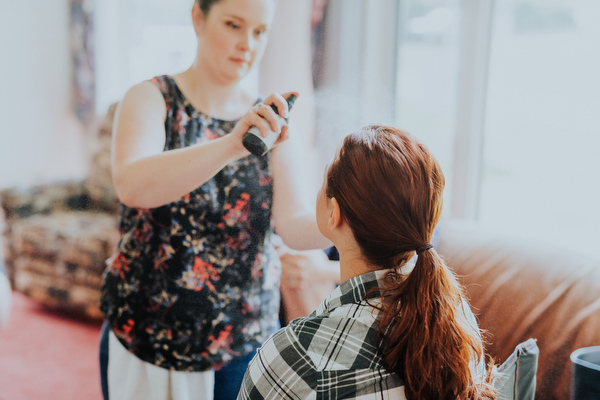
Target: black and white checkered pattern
x,y
331,354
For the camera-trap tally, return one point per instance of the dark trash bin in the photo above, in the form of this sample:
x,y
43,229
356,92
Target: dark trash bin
x,y
585,383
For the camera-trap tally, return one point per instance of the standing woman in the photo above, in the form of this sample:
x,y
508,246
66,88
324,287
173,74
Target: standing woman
x,y
193,286
392,329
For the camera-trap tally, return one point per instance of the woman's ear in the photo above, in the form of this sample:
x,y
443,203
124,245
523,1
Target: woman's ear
x,y
197,18
334,219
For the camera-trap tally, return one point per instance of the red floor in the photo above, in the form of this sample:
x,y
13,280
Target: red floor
x,y
45,355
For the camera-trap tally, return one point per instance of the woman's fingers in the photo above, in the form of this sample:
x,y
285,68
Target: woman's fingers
x,y
263,117
267,113
254,118
279,102
293,270
283,136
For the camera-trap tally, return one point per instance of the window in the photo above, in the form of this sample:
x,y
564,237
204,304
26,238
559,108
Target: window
x,y
428,54
506,94
139,39
541,168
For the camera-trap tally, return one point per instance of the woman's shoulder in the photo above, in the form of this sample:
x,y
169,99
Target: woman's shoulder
x,y
144,96
145,87
350,320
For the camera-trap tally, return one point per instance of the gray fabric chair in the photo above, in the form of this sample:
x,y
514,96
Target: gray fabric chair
x,y
516,378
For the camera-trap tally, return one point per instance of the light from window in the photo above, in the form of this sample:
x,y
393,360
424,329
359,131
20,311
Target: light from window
x,y
542,134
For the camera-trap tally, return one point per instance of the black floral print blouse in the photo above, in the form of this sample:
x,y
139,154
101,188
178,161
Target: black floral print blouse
x,y
195,283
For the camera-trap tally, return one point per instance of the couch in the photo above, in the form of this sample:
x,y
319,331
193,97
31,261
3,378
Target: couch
x,y
58,236
522,289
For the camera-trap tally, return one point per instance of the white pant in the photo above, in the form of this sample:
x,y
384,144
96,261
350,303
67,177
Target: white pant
x,y
130,378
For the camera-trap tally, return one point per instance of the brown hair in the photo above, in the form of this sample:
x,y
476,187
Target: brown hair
x,y
206,5
389,189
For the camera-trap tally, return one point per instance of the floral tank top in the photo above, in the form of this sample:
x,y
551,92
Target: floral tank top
x,y
195,283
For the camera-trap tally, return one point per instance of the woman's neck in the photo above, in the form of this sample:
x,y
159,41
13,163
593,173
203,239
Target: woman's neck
x,y
352,263
222,101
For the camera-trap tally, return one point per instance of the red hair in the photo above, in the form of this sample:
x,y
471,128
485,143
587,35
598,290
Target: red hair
x,y
389,189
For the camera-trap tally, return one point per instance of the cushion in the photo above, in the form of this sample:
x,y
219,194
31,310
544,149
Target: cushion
x,y
43,199
516,376
61,258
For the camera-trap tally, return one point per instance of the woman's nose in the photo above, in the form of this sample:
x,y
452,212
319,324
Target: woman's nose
x,y
247,41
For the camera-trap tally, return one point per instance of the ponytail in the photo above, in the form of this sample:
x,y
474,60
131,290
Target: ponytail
x,y
424,334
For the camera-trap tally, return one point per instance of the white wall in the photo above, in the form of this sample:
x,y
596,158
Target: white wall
x,y
40,138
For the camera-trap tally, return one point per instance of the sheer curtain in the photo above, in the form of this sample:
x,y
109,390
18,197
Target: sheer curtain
x,y
354,66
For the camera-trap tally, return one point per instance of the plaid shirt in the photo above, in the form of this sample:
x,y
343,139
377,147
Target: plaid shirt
x,y
331,354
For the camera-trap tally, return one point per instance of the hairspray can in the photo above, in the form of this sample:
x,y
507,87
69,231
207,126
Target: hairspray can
x,y
259,145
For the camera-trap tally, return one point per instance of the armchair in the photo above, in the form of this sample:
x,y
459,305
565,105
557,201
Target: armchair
x,y
56,237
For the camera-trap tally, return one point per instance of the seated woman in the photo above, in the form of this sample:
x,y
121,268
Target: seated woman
x,y
393,329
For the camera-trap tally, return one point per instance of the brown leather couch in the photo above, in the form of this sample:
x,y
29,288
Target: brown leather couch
x,y
522,289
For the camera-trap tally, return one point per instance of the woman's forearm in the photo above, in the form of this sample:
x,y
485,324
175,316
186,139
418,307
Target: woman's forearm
x,y
163,178
300,232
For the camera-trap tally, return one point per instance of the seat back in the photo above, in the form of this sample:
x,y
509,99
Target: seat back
x,y
523,288
99,184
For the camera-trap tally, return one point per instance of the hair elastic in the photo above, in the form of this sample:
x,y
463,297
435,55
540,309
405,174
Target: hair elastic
x,y
424,247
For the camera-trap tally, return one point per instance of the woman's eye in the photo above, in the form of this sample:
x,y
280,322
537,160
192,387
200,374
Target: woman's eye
x,y
233,25
261,32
